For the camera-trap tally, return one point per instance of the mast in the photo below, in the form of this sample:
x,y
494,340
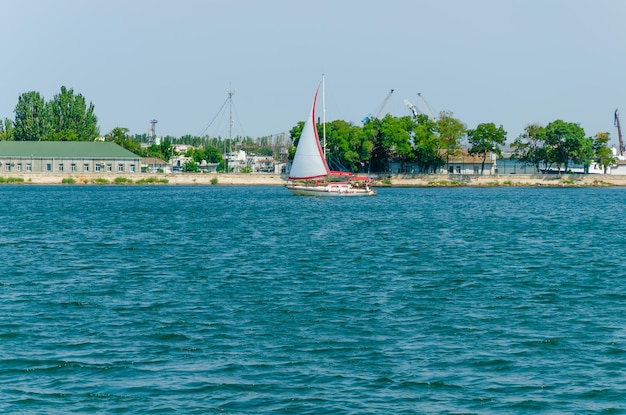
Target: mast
x,y
324,114
230,110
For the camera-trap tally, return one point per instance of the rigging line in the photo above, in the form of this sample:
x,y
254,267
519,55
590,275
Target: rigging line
x,y
238,121
218,113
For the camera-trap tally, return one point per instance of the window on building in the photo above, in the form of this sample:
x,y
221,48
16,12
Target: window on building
x,y
29,167
458,169
19,166
132,168
48,166
120,167
451,169
476,170
60,166
98,167
109,167
7,167
73,166
86,167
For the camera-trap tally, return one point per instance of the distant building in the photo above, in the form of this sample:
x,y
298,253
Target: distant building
x,y
154,165
66,157
204,166
463,164
236,161
177,163
619,168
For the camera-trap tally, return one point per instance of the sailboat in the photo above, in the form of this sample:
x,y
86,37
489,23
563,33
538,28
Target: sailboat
x,y
310,175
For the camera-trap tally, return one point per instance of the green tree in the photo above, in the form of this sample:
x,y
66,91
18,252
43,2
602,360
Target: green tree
x,y
6,130
382,145
529,146
210,154
30,117
400,132
427,145
213,155
451,131
70,118
583,153
604,155
166,149
568,143
191,167
348,148
154,151
120,137
296,132
486,139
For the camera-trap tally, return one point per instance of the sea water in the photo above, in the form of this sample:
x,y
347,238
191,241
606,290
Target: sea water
x,y
248,300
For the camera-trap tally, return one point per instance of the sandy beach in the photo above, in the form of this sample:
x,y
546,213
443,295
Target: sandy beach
x,y
204,179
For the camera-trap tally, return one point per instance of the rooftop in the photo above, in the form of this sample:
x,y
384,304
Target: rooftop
x,y
68,149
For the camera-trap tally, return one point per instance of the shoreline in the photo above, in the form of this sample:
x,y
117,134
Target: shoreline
x,y
243,179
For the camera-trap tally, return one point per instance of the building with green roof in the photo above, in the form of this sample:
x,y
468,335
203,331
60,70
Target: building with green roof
x,y
67,157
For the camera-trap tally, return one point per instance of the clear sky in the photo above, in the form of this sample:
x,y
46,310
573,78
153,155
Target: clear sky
x,y
510,62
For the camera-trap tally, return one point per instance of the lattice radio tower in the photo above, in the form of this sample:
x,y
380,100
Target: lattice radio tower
x,y
152,131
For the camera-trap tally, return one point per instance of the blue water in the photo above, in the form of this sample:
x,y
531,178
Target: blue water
x,y
248,300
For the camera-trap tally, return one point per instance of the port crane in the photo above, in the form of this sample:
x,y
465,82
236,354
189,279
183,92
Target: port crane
x,y
622,149
411,107
381,110
430,113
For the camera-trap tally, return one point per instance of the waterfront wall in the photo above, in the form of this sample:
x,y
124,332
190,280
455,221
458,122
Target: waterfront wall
x,y
397,180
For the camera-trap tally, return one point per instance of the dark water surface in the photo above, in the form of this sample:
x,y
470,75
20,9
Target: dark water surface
x,y
197,300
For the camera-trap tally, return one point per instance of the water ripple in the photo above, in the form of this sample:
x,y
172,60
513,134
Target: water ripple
x,y
249,300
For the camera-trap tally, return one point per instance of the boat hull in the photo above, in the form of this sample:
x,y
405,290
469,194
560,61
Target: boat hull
x,y
330,190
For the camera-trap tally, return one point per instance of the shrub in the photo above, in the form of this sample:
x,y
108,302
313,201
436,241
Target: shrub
x,y
122,180
150,180
68,180
214,180
11,180
446,183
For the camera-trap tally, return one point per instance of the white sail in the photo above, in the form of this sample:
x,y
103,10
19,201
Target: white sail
x,y
309,162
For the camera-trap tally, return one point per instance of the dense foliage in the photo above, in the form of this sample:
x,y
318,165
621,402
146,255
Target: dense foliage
x,y
484,140
420,140
66,117
559,144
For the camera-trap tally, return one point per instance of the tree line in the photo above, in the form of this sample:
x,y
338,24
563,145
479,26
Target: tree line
x,y
425,142
429,142
559,144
